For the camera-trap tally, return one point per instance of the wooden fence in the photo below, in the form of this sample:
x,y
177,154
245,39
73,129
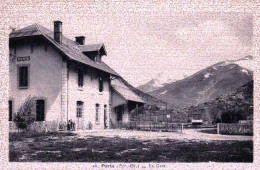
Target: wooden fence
x,y
149,126
235,129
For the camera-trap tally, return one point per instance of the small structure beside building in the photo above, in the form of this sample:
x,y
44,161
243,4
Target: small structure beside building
x,y
125,103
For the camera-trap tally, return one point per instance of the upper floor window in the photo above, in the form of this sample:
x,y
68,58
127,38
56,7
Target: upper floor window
x,y
100,82
97,112
23,75
40,110
46,47
79,109
80,78
15,49
31,47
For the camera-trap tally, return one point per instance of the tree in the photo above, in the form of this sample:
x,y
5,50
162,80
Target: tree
x,y
26,114
227,117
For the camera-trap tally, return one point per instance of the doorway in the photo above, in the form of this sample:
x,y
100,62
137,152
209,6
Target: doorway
x,y
79,115
105,117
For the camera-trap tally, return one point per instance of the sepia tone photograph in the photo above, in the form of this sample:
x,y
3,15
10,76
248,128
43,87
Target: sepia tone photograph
x,y
110,83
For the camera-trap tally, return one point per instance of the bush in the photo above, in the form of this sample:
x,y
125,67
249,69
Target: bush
x,y
233,117
218,120
26,114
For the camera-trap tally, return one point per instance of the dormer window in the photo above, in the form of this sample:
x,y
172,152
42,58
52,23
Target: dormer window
x,y
98,58
93,52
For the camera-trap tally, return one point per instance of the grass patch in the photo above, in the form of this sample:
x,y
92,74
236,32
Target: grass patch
x,y
21,136
103,149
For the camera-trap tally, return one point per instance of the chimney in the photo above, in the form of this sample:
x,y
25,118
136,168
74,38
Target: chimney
x,y
58,31
80,40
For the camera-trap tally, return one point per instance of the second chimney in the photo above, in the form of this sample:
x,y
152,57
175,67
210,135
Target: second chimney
x,y
58,31
80,40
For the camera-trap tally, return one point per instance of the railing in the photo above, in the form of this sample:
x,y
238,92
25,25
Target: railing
x,y
148,126
235,129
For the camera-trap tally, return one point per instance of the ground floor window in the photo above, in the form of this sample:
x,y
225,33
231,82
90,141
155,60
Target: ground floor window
x,y
40,110
79,109
105,112
97,112
10,105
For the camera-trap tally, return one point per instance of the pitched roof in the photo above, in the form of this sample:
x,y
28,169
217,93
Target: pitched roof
x,y
92,47
125,92
68,47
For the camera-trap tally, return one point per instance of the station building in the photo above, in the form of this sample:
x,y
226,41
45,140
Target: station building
x,y
67,78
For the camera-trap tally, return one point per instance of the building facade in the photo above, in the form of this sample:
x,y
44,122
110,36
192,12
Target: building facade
x,y
68,79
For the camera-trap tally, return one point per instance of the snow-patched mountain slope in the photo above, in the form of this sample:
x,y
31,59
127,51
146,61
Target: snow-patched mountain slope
x,y
159,81
247,62
207,84
162,79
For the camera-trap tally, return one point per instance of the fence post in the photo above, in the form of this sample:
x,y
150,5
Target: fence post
x,y
218,128
181,127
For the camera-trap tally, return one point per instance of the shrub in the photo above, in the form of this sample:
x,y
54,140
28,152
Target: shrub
x,y
26,114
233,116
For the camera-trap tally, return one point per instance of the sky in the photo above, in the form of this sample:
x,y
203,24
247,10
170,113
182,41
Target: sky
x,y
144,40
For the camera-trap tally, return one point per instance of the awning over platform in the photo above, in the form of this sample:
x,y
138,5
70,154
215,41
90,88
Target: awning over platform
x,y
125,92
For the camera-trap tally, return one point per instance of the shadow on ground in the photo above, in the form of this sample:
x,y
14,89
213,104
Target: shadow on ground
x,y
67,147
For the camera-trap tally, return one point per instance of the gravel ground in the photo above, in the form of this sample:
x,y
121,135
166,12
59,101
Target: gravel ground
x,y
188,134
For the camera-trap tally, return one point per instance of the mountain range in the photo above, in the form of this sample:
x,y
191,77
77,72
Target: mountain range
x,y
223,78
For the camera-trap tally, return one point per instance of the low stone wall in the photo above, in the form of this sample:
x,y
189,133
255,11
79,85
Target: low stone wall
x,y
45,126
235,129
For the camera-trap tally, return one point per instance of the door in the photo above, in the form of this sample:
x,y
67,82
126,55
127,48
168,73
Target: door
x,y
119,115
105,117
79,115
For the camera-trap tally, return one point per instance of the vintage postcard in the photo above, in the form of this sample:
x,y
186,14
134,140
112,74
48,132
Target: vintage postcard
x,y
129,84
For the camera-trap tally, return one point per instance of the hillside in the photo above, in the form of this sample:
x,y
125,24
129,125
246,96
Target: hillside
x,y
236,106
223,78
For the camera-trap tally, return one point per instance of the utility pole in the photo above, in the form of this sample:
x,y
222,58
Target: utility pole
x,y
166,116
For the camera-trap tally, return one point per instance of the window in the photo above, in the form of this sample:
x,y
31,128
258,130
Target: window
x,y
80,78
97,112
40,108
31,47
79,109
10,103
98,58
46,47
105,112
23,76
100,82
15,49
